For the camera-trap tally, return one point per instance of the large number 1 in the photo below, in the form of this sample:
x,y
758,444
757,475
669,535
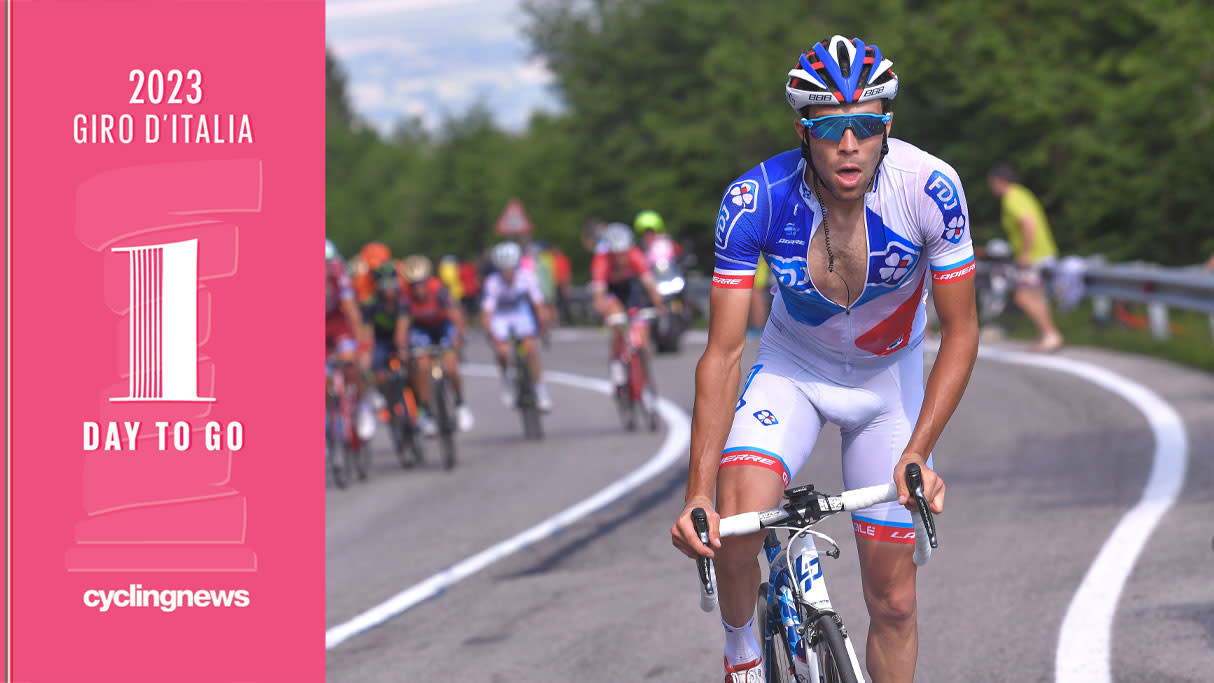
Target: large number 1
x,y
164,322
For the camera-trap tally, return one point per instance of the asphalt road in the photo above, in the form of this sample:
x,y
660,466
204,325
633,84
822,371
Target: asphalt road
x,y
1041,468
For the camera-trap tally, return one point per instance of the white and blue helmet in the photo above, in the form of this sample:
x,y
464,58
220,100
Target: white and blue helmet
x,y
840,71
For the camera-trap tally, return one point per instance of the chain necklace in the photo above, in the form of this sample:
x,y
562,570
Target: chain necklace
x,y
830,255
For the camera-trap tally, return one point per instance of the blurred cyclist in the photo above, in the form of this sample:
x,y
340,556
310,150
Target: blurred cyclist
x,y
621,283
343,325
383,310
432,319
512,298
655,242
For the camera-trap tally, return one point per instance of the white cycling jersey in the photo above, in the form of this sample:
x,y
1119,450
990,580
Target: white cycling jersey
x,y
916,220
859,367
509,305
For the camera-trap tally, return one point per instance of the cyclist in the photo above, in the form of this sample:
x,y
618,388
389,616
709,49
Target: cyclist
x,y
656,244
383,311
344,330
621,281
510,306
432,319
850,225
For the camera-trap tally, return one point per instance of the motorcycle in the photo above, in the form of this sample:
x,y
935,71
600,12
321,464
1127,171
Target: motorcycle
x,y
667,329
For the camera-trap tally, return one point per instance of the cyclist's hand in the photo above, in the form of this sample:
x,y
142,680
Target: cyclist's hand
x,y
683,534
933,485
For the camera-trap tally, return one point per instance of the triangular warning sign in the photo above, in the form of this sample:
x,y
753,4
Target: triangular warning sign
x,y
514,221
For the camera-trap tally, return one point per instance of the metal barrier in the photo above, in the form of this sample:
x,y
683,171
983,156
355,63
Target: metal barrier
x,y
1190,289
1160,288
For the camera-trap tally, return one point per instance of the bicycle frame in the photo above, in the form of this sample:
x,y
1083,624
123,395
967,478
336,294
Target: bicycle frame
x,y
796,587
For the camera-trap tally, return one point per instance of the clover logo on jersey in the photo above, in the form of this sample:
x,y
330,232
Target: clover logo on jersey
x,y
896,265
898,261
954,229
739,199
765,418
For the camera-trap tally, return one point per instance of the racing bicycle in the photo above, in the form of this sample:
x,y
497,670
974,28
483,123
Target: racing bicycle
x,y
525,398
345,452
402,415
630,367
442,401
803,637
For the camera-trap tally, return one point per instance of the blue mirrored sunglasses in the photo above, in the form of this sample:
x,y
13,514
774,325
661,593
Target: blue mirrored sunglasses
x,y
832,127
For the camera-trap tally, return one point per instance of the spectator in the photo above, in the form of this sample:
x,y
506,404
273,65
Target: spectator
x,y
1028,232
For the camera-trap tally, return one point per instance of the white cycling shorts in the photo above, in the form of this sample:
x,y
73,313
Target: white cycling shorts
x,y
784,406
519,321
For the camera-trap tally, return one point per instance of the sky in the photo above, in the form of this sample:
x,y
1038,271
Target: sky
x,y
436,58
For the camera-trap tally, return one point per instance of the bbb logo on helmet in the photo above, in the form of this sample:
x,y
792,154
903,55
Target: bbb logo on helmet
x,y
820,97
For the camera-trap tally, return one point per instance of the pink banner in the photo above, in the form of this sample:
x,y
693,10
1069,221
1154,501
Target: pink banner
x,y
166,511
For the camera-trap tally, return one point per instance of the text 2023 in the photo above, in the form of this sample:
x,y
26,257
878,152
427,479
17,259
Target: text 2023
x,y
153,84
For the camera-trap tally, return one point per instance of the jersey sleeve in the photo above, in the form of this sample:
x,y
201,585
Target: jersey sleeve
x,y
533,290
491,289
944,222
598,271
740,227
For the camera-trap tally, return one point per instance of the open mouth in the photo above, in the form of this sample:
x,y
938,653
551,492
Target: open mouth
x,y
848,175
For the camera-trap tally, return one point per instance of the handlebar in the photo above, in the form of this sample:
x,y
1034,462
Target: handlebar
x,y
806,508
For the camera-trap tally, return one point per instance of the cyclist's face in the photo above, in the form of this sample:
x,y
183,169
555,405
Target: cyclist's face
x,y
420,290
847,166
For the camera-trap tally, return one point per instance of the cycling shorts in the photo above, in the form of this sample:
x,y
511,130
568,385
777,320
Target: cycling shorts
x,y
381,355
442,335
520,322
631,293
785,405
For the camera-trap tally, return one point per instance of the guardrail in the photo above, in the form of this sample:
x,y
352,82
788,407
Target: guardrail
x,y
1160,288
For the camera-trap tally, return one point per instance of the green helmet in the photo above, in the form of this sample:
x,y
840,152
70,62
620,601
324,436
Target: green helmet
x,y
648,220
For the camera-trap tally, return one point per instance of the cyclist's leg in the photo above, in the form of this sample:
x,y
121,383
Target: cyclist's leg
x,y
613,307
499,337
450,361
774,429
884,535
420,376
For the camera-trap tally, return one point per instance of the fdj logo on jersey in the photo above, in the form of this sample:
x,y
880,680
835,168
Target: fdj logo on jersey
x,y
739,199
942,191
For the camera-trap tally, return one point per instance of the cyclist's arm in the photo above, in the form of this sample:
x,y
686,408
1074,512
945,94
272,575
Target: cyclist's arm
x,y
954,301
652,288
717,376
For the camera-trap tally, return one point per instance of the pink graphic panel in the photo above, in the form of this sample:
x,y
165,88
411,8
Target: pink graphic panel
x,y
167,510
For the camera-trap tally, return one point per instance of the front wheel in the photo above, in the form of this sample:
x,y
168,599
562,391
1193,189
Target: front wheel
x,y
831,651
777,654
445,414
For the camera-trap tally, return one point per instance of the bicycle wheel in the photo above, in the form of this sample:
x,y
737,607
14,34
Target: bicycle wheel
x,y
445,415
333,454
833,660
777,654
524,397
648,407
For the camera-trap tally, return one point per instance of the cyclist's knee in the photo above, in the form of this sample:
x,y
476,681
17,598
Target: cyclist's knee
x,y
891,603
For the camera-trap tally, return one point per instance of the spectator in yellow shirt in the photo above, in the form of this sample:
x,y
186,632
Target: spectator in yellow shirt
x,y
1028,232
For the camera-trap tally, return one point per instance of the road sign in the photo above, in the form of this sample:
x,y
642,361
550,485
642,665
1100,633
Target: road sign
x,y
514,221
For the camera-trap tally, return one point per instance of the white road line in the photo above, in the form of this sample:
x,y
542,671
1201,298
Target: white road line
x,y
1083,642
673,449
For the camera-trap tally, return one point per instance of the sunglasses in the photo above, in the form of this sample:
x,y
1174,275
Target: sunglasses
x,y
832,127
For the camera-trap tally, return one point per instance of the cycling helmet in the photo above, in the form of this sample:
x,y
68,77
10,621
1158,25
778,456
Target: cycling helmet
x,y
375,254
416,269
385,278
840,71
648,220
618,237
331,250
506,256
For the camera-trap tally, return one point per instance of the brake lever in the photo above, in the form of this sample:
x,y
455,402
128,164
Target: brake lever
x,y
914,482
708,597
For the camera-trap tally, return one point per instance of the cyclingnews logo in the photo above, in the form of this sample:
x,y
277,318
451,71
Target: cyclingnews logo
x,y
164,599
